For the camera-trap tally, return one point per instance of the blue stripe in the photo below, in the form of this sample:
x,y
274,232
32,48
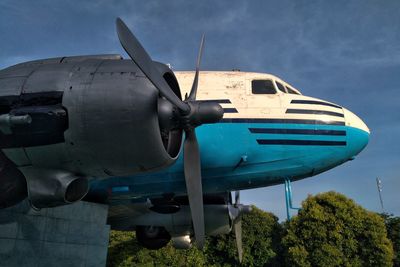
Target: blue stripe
x,y
220,101
230,110
300,142
314,102
316,112
297,131
285,121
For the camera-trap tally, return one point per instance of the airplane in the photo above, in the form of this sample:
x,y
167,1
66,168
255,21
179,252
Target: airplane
x,y
109,130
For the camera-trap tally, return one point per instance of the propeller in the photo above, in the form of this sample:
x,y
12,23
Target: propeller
x,y
139,55
235,211
192,113
193,91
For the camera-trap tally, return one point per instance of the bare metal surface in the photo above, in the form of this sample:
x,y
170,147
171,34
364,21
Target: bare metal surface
x,y
74,235
126,217
51,188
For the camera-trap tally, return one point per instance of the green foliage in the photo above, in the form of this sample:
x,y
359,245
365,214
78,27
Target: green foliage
x,y
393,231
331,230
261,239
124,251
261,233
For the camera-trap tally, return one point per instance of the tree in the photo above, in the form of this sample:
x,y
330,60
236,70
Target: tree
x,y
331,230
393,230
261,239
261,242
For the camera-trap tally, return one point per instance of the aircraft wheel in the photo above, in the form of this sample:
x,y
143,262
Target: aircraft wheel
x,y
152,237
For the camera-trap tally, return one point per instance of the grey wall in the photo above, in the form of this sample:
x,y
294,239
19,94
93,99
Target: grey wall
x,y
72,235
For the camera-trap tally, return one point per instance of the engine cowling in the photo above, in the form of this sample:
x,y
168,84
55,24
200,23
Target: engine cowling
x,y
178,225
110,125
217,219
86,116
114,125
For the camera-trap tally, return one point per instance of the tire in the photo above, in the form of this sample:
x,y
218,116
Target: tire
x,y
152,237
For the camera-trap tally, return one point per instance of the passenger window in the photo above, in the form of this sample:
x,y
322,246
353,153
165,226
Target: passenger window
x,y
280,87
262,87
291,91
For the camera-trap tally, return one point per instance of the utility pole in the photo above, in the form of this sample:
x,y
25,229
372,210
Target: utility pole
x,y
379,186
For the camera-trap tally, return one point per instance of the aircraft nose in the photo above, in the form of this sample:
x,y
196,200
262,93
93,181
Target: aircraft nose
x,y
357,133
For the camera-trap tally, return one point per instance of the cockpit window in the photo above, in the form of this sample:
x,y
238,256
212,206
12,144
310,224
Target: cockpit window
x,y
280,87
291,91
262,87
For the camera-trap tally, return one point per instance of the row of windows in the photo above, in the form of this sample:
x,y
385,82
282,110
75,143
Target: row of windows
x,y
267,87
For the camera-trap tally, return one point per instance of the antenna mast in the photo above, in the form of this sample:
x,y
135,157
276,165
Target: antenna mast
x,y
379,186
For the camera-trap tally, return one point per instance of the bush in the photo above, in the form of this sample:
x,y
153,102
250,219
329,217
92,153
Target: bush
x,y
124,250
331,230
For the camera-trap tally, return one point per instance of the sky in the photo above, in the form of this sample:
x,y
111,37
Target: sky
x,y
346,52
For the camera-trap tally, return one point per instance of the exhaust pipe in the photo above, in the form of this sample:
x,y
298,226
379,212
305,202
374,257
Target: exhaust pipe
x,y
51,188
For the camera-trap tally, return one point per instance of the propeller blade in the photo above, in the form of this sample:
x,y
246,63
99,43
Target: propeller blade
x,y
139,55
193,91
238,236
192,169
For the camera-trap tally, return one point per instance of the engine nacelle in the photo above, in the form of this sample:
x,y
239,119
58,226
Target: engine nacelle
x,y
114,124
101,113
178,224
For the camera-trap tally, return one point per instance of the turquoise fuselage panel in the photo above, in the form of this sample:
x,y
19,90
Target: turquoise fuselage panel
x,y
234,158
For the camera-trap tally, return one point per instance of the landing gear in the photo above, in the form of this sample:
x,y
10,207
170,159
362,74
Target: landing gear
x,y
152,237
288,198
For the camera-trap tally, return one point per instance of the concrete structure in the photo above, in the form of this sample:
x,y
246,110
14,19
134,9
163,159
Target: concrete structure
x,y
72,235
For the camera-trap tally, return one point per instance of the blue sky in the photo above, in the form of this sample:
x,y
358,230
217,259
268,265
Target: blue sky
x,y
347,52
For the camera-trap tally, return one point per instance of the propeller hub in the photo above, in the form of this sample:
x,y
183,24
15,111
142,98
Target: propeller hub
x,y
201,113
170,117
167,115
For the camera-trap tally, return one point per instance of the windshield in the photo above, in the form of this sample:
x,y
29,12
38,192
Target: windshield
x,y
291,90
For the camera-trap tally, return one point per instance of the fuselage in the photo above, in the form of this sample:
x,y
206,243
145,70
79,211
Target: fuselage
x,y
264,137
269,132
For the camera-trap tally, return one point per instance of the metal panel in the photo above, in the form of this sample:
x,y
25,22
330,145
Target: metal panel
x,y
73,100
11,85
50,156
48,78
17,71
82,58
18,156
113,120
119,67
53,60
